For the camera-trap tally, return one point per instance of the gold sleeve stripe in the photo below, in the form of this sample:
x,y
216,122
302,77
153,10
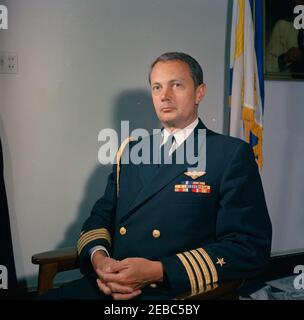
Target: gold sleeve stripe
x,y
211,286
97,232
197,271
210,264
85,240
91,235
81,245
94,234
189,272
118,157
203,266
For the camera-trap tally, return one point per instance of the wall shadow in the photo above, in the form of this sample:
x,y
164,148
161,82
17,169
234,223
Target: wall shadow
x,y
136,107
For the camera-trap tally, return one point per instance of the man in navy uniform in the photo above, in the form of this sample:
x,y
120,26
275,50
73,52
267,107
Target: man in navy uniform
x,y
162,230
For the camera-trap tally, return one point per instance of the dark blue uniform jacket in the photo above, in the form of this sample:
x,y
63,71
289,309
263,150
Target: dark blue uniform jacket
x,y
201,238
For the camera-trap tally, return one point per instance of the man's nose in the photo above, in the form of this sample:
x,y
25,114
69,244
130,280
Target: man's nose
x,y
166,94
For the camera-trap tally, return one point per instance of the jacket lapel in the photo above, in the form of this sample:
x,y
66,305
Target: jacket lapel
x,y
148,171
154,179
140,175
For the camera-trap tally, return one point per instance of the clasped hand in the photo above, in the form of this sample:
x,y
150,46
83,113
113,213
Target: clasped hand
x,y
124,279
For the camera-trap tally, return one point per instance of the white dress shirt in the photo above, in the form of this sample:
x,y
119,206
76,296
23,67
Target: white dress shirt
x,y
180,135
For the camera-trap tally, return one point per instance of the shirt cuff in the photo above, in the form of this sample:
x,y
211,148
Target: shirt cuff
x,y
97,248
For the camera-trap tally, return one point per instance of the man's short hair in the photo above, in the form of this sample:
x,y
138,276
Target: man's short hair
x,y
195,68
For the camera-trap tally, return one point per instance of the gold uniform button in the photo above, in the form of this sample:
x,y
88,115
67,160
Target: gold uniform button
x,y
153,285
156,233
122,231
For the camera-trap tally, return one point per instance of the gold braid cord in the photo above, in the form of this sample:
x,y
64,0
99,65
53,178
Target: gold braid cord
x,y
118,157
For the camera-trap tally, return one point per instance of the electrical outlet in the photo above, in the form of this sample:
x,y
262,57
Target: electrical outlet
x,y
8,62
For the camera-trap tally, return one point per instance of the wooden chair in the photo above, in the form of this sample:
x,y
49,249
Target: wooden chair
x,y
52,262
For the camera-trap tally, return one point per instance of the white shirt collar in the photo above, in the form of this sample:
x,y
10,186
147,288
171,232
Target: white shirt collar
x,y
180,135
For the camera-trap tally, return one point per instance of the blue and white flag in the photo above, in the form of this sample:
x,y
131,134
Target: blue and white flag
x,y
246,75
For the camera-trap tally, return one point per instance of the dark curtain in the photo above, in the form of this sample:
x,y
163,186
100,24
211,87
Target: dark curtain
x,y
6,246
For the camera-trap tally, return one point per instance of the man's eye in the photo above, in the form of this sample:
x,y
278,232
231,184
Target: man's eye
x,y
156,88
176,85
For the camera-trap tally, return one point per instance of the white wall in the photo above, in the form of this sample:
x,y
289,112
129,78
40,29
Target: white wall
x,y
83,66
283,174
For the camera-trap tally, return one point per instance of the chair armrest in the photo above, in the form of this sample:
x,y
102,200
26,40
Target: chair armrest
x,y
222,291
52,262
62,256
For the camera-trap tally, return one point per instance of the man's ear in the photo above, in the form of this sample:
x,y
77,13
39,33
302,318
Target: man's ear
x,y
200,92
